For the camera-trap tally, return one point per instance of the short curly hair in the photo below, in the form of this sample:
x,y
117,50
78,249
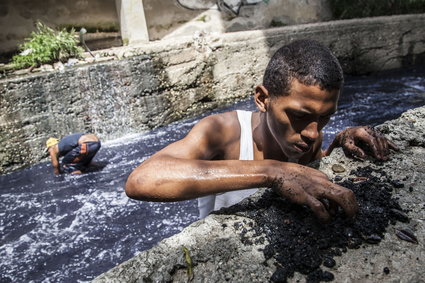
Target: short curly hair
x,y
308,61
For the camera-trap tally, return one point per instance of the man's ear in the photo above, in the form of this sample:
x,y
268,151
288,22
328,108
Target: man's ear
x,y
261,98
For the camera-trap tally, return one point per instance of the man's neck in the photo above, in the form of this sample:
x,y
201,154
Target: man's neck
x,y
264,142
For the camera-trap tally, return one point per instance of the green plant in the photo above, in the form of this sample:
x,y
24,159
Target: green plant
x,y
277,23
202,18
46,45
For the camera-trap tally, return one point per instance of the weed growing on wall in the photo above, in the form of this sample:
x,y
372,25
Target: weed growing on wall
x,y
46,45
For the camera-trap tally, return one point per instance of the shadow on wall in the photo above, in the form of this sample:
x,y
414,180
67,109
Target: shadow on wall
x,y
376,44
167,19
164,18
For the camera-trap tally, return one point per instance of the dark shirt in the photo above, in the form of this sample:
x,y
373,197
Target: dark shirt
x,y
68,143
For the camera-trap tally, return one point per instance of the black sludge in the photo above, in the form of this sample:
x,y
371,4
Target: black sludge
x,y
299,242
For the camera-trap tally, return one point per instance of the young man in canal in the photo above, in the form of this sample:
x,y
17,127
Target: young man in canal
x,y
77,150
225,157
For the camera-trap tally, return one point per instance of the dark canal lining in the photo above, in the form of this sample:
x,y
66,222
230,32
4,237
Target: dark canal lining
x,y
73,228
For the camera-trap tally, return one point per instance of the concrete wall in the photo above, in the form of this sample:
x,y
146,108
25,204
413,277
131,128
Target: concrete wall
x,y
167,18
161,82
164,18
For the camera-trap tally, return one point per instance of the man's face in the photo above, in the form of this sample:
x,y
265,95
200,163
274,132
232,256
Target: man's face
x,y
296,120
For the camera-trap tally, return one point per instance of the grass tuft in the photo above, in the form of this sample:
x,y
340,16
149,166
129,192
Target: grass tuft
x,y
46,45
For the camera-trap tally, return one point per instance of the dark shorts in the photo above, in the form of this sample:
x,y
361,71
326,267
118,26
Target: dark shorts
x,y
80,157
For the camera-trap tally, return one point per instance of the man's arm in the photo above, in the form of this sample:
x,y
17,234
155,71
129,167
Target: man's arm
x,y
54,159
361,141
184,170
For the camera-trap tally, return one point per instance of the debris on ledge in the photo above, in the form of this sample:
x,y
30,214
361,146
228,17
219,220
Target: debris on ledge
x,y
265,238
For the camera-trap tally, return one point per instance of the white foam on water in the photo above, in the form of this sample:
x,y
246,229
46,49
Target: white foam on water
x,y
124,140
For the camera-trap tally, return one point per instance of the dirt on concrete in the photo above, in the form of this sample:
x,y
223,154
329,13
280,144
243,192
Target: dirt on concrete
x,y
298,242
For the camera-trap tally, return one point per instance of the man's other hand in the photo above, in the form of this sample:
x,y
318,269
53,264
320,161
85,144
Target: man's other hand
x,y
361,141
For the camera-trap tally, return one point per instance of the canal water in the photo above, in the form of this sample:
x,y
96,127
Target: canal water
x,y
73,228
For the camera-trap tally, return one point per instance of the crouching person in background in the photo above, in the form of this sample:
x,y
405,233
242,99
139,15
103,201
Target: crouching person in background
x,y
77,151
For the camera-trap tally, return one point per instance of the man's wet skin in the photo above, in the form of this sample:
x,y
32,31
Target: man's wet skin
x,y
286,127
286,133
294,122
293,125
88,138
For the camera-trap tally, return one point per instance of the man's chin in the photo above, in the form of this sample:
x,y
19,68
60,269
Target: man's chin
x,y
296,151
292,153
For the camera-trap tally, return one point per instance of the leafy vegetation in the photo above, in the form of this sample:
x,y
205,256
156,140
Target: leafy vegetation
x,y
46,45
348,9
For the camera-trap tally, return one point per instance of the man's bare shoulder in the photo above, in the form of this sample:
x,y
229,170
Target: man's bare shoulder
x,y
219,127
213,137
218,135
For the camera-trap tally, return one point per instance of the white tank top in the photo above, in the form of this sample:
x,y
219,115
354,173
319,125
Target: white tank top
x,y
215,202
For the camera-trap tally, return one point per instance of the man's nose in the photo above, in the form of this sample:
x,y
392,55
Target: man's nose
x,y
311,131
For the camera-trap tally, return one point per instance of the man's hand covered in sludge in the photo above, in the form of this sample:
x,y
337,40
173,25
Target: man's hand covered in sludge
x,y
361,141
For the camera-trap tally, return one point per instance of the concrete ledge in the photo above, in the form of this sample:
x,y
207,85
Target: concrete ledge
x,y
219,253
156,83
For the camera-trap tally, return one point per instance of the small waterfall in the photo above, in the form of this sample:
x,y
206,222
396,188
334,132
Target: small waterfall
x,y
108,106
